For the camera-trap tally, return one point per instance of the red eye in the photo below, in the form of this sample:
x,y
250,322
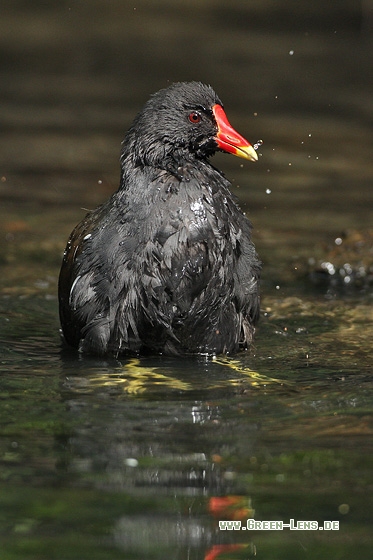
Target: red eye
x,y
195,117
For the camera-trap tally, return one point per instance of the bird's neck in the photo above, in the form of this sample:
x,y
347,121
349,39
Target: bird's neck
x,y
137,162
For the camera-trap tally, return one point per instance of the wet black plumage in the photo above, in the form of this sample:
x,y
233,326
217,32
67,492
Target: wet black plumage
x,y
167,264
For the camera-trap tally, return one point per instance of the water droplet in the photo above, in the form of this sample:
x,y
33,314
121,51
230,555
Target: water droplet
x,y
329,267
257,144
131,462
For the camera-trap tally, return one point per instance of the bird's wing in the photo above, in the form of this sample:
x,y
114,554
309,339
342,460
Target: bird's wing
x,y
87,282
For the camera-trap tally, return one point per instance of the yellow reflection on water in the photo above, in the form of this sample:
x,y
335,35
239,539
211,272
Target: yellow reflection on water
x,y
137,377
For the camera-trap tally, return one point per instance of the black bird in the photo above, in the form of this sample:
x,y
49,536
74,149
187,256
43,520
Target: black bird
x,y
167,264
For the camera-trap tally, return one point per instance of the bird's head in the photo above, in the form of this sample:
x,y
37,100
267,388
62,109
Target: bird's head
x,y
180,123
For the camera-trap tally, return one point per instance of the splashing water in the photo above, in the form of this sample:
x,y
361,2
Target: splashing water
x,y
257,144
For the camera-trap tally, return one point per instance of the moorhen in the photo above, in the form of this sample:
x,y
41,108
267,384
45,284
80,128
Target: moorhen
x,y
167,264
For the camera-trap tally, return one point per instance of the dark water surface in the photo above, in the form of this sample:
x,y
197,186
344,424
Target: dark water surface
x,y
142,458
